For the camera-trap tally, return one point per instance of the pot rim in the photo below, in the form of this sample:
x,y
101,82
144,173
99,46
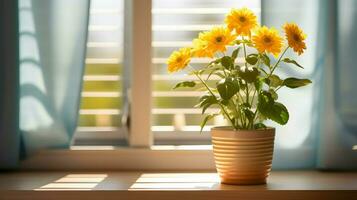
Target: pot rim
x,y
229,128
229,132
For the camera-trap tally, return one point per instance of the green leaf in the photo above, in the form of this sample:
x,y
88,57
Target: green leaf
x,y
227,62
271,109
185,84
273,94
218,60
227,88
224,102
231,107
275,81
265,59
288,60
245,105
295,82
206,101
279,113
249,75
204,108
235,53
248,113
265,100
247,42
219,74
252,59
259,126
206,119
212,71
258,84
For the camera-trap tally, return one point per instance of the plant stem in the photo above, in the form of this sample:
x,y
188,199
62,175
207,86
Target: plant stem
x,y
245,55
255,91
239,111
255,113
276,64
247,93
222,107
278,88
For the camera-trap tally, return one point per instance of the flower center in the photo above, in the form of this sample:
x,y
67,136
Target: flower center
x,y
296,37
267,39
219,39
242,19
179,59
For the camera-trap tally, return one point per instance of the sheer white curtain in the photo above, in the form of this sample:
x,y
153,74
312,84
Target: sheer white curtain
x,y
52,40
322,127
338,122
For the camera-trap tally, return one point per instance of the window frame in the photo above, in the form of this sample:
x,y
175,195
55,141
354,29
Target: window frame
x,y
137,87
138,66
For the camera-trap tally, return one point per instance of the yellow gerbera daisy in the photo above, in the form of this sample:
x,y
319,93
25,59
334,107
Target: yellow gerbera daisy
x,y
295,37
268,40
179,59
241,20
200,48
217,39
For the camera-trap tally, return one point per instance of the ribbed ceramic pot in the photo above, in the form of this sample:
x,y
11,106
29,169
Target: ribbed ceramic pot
x,y
243,157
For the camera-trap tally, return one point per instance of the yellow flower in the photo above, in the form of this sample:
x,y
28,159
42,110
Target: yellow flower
x,y
179,59
217,39
268,40
241,20
295,37
200,48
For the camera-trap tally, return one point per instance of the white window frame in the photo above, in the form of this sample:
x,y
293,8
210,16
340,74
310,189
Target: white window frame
x,y
136,80
141,154
139,47
137,88
138,66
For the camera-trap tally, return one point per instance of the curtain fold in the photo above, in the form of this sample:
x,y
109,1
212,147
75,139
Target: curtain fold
x,y
42,57
338,122
9,85
323,126
52,53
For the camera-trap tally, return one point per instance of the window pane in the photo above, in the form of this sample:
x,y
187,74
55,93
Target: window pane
x,y
175,24
101,102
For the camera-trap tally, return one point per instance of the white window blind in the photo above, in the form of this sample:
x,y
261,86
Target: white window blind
x,y
175,24
101,101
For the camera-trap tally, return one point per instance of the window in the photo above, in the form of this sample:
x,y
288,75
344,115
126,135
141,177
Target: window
x,y
102,102
174,120
175,24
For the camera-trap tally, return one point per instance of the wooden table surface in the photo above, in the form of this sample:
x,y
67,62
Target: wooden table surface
x,y
173,185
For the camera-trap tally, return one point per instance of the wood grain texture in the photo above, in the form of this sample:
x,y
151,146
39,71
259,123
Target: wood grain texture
x,y
174,185
243,157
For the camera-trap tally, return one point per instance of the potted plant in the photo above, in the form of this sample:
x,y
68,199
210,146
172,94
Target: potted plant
x,y
244,88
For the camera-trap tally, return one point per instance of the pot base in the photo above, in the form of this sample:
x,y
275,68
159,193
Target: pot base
x,y
244,182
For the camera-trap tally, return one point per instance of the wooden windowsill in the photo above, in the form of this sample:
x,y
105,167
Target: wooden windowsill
x,y
173,185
